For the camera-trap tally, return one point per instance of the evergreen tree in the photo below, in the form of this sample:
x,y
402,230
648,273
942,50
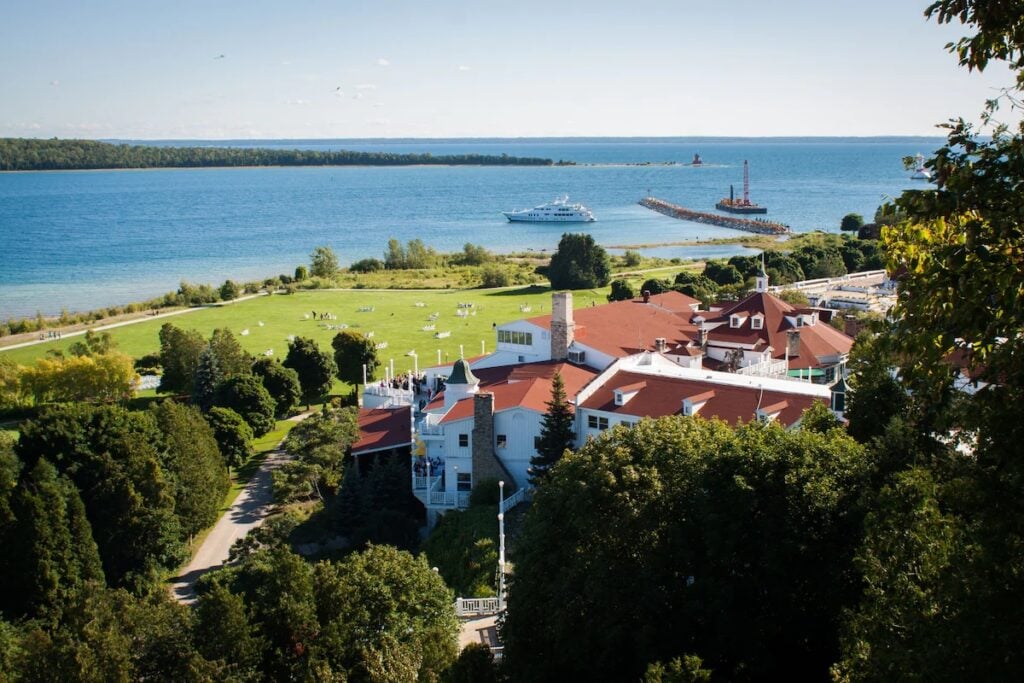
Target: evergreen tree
x,y
224,631
208,376
193,464
113,457
579,263
49,550
557,433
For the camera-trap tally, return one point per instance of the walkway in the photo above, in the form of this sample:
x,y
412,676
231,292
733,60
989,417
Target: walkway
x,y
482,629
109,326
251,507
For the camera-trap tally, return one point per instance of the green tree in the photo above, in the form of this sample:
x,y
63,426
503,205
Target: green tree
x,y
113,456
193,464
315,368
395,257
387,606
353,351
280,382
49,551
232,359
179,357
318,446
301,273
579,263
852,222
557,432
687,669
654,286
494,275
207,378
224,631
621,291
722,273
631,258
323,263
234,436
464,548
744,539
474,665
93,344
229,291
246,396
474,255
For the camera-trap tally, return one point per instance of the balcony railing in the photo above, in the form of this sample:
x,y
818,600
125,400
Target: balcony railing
x,y
770,368
477,606
450,499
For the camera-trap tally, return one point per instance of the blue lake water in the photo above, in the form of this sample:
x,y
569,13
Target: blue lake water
x,y
86,239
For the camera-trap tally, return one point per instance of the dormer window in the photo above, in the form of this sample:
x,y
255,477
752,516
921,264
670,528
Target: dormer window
x,y
757,322
736,320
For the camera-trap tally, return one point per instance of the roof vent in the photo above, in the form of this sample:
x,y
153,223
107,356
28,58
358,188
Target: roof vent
x,y
647,296
660,344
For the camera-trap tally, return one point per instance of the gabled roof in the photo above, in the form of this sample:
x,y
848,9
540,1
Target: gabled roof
x,y
623,328
383,428
816,341
519,386
664,395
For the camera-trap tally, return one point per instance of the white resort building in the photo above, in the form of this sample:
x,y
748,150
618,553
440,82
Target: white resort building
x,y
757,359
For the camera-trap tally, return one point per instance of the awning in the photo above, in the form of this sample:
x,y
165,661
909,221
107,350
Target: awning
x,y
814,372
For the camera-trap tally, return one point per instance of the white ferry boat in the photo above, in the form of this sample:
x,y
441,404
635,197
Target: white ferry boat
x,y
557,211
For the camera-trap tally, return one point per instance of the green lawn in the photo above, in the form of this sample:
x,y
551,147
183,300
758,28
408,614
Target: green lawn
x,y
396,319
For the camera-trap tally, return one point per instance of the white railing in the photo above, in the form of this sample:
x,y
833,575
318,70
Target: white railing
x,y
450,499
515,499
422,483
771,368
477,606
431,425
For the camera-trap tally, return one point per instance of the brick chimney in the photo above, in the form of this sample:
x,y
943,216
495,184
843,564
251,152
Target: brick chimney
x,y
563,329
485,463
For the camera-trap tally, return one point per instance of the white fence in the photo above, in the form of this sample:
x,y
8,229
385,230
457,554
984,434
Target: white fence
x,y
771,368
477,606
459,499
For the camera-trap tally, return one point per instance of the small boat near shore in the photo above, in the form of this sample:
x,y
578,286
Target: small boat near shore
x,y
920,172
556,211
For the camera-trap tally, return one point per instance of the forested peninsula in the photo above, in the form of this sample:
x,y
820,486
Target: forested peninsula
x,y
20,154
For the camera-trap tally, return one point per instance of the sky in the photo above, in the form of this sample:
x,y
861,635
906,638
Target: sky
x,y
221,69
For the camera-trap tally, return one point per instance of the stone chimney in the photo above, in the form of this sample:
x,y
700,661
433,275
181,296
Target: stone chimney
x,y
485,463
792,343
563,329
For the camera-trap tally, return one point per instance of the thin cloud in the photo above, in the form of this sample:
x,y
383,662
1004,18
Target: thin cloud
x,y
463,67
381,61
298,102
366,86
54,82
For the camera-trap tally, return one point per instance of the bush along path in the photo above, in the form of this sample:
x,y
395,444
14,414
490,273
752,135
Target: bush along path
x,y
248,511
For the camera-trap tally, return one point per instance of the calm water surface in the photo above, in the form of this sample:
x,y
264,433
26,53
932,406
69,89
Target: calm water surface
x,y
86,239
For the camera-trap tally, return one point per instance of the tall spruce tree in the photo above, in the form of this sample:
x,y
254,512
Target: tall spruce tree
x,y
208,376
557,432
316,368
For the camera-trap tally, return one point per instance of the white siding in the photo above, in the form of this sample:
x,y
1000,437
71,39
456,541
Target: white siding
x,y
520,426
539,350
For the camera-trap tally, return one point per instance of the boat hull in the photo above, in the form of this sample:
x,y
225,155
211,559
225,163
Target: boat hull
x,y
514,218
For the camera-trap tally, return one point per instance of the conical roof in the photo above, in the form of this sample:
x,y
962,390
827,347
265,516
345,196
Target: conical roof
x,y
461,374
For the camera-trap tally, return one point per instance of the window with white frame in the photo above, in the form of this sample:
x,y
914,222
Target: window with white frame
x,y
463,440
597,422
464,481
514,337
502,440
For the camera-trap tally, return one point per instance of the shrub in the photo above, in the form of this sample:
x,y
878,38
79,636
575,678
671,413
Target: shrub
x,y
366,265
493,275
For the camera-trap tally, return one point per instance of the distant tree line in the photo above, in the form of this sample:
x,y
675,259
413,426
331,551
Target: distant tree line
x,y
21,154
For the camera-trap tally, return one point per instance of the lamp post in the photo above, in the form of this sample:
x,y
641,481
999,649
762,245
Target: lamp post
x,y
501,545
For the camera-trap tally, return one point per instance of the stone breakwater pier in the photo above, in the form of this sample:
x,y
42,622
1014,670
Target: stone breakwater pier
x,y
757,225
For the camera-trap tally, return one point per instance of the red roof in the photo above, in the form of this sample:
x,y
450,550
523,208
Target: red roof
x,y
520,386
816,341
664,396
623,328
383,428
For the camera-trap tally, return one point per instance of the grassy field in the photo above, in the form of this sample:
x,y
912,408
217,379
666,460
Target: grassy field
x,y
396,318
